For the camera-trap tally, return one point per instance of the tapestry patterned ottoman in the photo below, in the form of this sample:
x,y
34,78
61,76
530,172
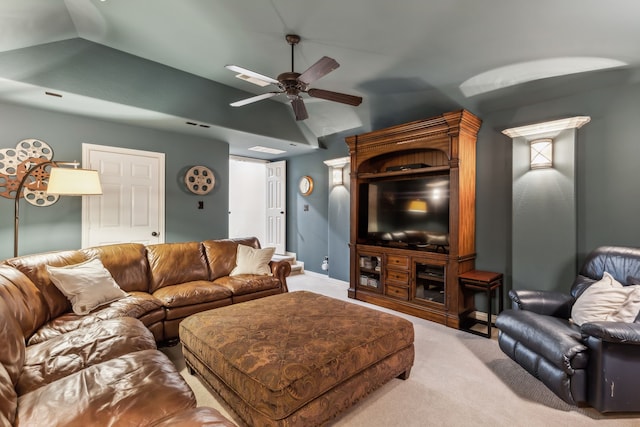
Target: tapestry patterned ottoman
x,y
296,359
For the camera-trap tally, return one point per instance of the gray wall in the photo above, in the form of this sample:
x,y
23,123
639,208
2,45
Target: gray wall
x,y
544,213
58,226
323,230
607,193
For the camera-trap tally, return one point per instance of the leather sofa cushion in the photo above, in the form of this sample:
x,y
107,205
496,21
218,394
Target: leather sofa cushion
x,y
174,263
8,399
34,267
127,263
196,417
136,389
12,351
221,254
137,305
179,313
556,340
248,283
190,293
23,298
69,353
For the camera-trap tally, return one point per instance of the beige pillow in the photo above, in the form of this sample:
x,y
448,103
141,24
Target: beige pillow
x,y
252,261
607,300
87,285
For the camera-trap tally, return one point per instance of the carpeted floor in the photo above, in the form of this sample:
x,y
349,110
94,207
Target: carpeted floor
x,y
458,379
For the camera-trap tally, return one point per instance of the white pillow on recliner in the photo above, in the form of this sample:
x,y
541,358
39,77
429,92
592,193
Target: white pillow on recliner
x,y
607,300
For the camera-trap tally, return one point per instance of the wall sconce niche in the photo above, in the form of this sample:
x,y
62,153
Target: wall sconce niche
x,y
337,167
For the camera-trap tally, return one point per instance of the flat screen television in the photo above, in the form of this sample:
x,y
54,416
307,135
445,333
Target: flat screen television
x,y
405,211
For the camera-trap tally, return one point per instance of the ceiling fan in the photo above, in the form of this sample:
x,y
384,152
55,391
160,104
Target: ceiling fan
x,y
293,84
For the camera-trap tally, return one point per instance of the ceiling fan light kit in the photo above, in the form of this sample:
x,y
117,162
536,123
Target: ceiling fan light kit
x,y
293,84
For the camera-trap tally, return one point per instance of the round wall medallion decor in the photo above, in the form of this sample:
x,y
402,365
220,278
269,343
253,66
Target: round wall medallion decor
x,y
199,180
305,185
15,164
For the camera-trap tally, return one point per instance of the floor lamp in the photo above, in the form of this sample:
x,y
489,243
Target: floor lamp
x,y
63,181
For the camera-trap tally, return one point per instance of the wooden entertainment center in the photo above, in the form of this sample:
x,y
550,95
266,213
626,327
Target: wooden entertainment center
x,y
415,270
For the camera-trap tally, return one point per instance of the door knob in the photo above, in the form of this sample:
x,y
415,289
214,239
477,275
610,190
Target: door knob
x,y
155,233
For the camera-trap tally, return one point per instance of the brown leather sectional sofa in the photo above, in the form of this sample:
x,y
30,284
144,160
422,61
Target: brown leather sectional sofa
x,y
103,368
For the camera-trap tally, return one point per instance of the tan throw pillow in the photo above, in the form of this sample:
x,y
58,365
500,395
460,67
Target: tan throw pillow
x,y
87,285
607,300
252,261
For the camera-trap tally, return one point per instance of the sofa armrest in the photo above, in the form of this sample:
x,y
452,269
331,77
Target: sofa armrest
x,y
548,303
280,270
615,332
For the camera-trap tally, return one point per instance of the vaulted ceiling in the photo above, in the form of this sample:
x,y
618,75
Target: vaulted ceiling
x,y
161,63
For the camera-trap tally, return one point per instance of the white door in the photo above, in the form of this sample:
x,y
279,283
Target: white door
x,y
276,204
131,208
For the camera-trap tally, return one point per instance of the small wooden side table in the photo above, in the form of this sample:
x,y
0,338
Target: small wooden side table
x,y
482,281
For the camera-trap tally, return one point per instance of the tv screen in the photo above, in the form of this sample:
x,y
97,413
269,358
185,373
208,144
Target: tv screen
x,y
411,211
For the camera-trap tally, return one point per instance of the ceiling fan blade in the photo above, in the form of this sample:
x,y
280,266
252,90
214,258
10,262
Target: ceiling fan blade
x,y
335,96
254,99
250,73
324,66
299,109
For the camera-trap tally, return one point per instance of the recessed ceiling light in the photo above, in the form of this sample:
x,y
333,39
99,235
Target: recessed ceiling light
x,y
523,72
266,150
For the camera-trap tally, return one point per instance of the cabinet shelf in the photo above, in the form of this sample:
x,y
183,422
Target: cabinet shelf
x,y
430,276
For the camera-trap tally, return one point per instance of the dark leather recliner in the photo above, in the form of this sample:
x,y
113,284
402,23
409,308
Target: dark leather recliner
x,y
597,364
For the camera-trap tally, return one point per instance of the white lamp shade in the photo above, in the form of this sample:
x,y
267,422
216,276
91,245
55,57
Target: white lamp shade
x,y
73,182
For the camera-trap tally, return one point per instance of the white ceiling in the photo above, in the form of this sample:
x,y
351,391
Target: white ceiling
x,y
398,55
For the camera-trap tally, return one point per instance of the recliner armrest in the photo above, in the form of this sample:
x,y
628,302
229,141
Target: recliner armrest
x,y
615,332
548,303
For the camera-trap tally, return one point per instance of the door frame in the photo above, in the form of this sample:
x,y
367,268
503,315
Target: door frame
x,y
86,155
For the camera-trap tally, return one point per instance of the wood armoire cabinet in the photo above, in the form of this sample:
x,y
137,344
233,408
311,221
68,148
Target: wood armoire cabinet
x,y
413,216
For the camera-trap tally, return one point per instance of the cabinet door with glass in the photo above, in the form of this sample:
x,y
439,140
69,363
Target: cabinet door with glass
x,y
430,281
370,271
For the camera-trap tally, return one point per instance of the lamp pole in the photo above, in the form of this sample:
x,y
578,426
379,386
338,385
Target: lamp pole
x,y
16,221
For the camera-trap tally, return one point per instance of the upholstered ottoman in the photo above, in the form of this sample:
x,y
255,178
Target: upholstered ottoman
x,y
296,359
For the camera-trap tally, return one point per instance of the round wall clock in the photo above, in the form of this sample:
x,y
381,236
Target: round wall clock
x,y
306,185
199,180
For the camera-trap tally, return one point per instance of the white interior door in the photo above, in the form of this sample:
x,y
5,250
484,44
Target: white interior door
x,y
276,206
131,208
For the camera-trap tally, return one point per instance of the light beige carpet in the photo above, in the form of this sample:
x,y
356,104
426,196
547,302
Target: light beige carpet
x,y
458,379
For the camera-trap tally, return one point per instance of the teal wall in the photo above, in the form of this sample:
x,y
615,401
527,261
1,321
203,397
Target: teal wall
x,y
607,194
544,213
323,230
58,226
